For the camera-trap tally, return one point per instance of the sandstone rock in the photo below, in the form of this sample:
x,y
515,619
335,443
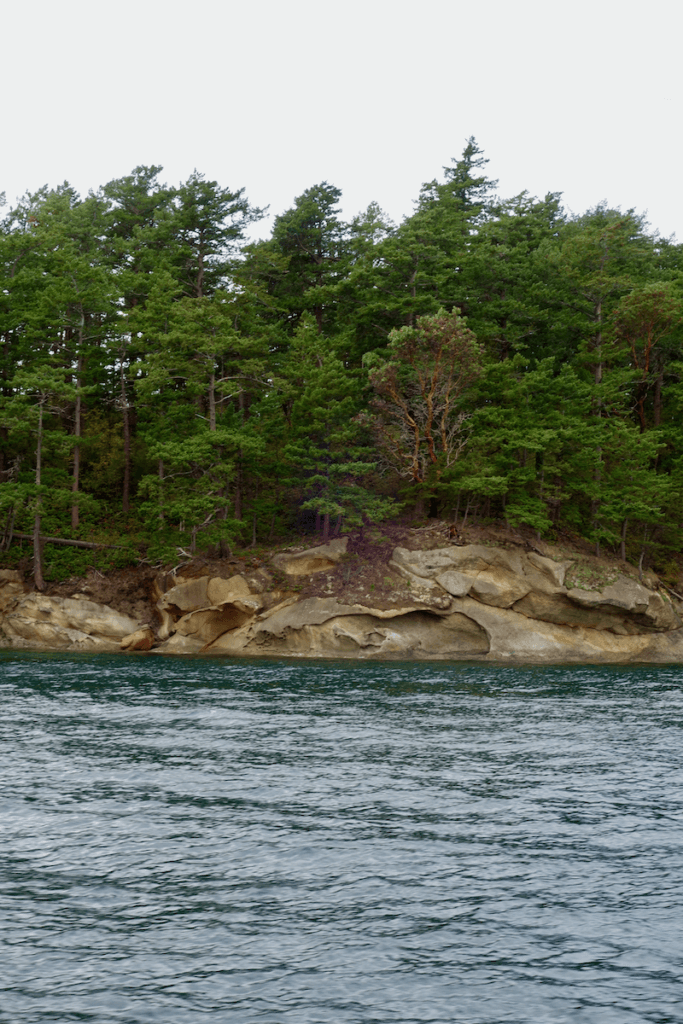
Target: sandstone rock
x,y
185,597
284,602
235,641
167,623
626,594
259,581
10,576
218,590
305,563
98,620
470,559
426,565
311,611
663,647
427,591
272,598
141,640
554,572
662,613
499,588
179,644
479,557
457,584
514,637
37,633
465,602
556,607
12,589
415,634
496,576
642,605
210,623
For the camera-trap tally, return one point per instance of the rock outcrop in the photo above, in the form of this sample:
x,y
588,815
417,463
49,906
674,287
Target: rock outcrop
x,y
74,623
471,602
303,563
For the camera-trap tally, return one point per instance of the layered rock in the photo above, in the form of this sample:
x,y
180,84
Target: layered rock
x,y
65,623
533,586
472,602
319,559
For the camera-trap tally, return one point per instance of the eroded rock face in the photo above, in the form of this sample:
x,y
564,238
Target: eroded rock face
x,y
305,563
12,590
219,591
558,608
533,586
359,633
179,644
470,559
65,622
649,609
210,623
141,640
515,637
186,596
474,601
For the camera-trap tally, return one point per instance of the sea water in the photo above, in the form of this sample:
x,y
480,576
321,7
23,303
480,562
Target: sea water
x,y
299,842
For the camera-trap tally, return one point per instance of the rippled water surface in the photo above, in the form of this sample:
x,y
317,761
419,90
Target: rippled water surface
x,y
234,841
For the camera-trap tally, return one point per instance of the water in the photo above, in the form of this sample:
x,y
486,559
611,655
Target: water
x,y
299,843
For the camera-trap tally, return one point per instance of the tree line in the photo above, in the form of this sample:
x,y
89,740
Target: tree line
x,y
166,383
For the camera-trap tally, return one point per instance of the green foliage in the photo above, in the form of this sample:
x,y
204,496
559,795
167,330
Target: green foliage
x,y
420,386
161,379
63,563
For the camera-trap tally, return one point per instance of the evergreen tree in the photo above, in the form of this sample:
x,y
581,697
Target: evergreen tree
x,y
325,447
312,239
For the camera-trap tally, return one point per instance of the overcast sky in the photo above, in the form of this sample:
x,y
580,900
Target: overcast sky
x,y
372,96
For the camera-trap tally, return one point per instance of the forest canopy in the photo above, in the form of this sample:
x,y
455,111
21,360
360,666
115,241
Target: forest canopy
x,y
167,384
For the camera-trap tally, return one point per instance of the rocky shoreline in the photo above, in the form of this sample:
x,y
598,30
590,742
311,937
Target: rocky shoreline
x,y
473,602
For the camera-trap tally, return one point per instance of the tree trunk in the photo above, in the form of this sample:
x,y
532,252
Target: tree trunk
x,y
238,487
4,434
624,527
212,401
75,481
37,547
160,474
9,531
326,528
125,497
659,380
68,543
597,376
199,285
597,367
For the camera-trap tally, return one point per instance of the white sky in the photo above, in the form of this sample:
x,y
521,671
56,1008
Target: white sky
x,y
372,96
